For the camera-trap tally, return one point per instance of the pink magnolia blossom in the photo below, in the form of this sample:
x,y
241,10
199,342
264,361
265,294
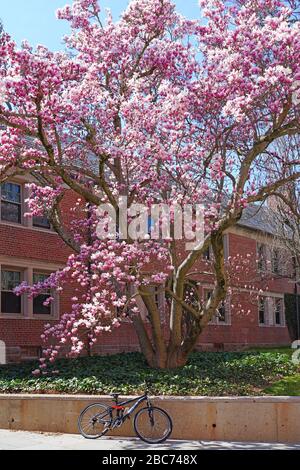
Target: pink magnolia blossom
x,y
157,108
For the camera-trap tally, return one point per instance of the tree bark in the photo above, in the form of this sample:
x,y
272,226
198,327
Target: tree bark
x,y
160,350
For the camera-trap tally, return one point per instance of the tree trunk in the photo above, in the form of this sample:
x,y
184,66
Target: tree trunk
x,y
160,351
176,358
158,339
163,353
161,357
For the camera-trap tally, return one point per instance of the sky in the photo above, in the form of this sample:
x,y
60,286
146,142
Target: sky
x,y
35,20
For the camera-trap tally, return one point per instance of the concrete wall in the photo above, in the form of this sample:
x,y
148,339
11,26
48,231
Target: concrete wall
x,y
261,419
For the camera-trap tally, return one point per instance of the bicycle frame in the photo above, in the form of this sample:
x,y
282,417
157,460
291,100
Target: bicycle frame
x,y
120,406
109,420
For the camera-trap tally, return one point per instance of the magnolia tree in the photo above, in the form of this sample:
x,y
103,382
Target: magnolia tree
x,y
152,109
285,203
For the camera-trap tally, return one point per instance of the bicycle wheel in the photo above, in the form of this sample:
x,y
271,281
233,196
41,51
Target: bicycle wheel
x,y
94,421
153,425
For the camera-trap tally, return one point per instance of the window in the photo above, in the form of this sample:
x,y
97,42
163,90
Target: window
x,y
11,203
262,259
41,222
278,310
38,302
10,302
10,278
262,311
275,261
221,314
151,225
11,207
206,254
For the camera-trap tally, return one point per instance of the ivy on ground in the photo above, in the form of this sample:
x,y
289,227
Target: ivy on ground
x,y
207,373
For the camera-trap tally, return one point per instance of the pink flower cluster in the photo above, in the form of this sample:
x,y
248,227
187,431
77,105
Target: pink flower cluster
x,y
154,107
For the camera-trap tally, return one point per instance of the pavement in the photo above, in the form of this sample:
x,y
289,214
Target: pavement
x,y
21,440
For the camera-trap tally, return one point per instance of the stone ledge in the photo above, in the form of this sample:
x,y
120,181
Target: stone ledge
x,y
249,399
246,419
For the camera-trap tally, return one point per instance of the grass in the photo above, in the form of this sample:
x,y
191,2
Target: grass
x,y
212,374
289,386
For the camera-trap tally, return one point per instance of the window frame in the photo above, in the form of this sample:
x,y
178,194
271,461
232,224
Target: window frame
x,y
40,226
49,294
265,310
261,257
222,306
275,261
19,204
27,269
281,311
270,305
206,255
26,222
215,321
20,270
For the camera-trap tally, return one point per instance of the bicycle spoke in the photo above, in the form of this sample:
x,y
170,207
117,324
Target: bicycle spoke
x,y
94,420
153,426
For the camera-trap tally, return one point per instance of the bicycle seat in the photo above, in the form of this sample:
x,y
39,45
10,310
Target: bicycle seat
x,y
115,395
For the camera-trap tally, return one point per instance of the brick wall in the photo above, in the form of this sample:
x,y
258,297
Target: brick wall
x,y
43,246
24,244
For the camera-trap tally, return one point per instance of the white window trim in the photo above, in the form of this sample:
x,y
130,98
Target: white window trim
x,y
24,310
54,305
282,313
6,222
26,222
270,311
27,303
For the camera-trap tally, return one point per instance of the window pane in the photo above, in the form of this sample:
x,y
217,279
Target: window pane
x,y
275,262
11,212
39,277
10,280
222,312
10,303
261,311
261,258
206,254
39,221
261,316
278,312
38,307
277,318
11,192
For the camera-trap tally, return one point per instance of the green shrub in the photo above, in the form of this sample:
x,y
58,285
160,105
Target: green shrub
x,y
207,373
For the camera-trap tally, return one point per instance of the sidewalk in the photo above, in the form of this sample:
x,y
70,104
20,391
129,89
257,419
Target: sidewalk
x,y
19,440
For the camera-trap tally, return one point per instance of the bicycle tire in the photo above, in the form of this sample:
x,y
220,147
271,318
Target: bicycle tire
x,y
159,412
104,423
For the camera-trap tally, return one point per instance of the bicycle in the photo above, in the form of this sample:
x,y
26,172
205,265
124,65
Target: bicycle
x,y
151,423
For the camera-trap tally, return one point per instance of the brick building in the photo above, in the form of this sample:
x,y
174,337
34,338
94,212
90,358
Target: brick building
x,y
30,250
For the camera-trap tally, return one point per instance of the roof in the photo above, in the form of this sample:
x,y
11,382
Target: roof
x,y
258,217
